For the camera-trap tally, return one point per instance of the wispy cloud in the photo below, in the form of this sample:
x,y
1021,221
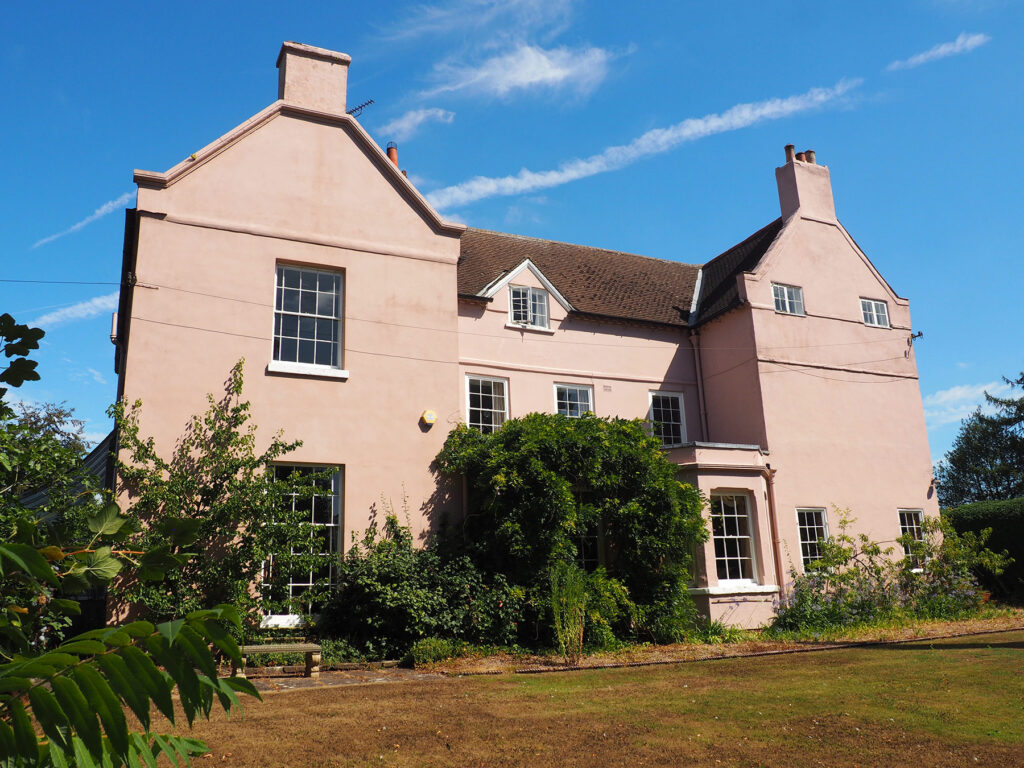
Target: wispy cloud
x,y
402,128
105,209
96,376
651,143
521,16
962,44
80,311
956,403
579,70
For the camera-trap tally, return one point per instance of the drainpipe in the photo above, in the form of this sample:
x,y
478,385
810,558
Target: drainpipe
x,y
769,476
695,347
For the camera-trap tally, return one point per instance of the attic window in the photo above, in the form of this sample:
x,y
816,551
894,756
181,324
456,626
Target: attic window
x,y
789,299
875,313
528,306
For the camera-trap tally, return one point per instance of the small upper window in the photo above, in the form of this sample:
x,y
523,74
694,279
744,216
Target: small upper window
x,y
573,401
666,415
789,299
307,316
528,306
875,313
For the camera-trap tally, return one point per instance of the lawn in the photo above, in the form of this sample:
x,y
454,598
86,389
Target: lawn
x,y
933,703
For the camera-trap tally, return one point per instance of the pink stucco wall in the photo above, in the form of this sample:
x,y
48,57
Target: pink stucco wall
x,y
300,189
623,363
816,410
842,406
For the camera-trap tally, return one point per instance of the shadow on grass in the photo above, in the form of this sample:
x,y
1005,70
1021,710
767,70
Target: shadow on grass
x,y
947,645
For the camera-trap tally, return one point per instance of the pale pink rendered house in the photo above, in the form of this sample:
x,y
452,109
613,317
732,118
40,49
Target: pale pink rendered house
x,y
780,375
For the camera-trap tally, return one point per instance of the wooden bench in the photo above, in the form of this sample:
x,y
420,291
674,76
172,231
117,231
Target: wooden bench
x,y
312,651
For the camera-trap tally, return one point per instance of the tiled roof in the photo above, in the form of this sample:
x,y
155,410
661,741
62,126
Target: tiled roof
x,y
595,281
718,293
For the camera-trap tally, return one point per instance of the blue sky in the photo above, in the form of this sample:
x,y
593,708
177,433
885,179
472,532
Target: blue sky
x,y
651,127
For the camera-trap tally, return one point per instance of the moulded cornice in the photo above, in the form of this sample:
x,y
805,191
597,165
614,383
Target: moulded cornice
x,y
157,180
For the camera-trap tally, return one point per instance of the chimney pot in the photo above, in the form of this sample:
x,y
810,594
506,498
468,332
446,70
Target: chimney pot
x,y
790,153
801,157
392,150
809,154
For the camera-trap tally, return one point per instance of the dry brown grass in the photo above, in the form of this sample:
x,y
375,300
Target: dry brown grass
x,y
946,703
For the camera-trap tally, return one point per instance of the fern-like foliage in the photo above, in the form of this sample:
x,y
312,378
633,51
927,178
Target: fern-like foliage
x,y
78,692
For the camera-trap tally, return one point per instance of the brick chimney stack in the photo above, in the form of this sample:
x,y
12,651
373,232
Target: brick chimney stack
x,y
313,77
805,186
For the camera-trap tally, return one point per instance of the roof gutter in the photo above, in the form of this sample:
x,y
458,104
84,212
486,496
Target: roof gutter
x,y
475,297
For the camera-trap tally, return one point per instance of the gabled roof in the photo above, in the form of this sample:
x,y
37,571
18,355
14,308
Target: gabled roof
x,y
595,281
718,292
156,180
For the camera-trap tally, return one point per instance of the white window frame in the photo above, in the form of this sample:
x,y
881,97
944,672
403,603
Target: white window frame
x,y
290,620
875,313
751,537
914,529
801,529
277,365
494,380
682,416
580,388
535,299
789,299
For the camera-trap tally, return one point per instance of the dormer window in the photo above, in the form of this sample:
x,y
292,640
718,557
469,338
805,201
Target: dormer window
x,y
528,306
875,313
789,299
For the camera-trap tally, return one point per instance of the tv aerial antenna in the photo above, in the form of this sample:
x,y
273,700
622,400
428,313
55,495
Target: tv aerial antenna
x,y
357,110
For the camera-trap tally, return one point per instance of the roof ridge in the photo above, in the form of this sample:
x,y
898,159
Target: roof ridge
x,y
580,245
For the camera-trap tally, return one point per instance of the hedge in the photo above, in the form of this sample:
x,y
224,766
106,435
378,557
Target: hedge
x,y
1006,519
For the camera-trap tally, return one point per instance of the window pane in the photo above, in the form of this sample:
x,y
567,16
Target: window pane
x,y
666,415
520,305
732,536
291,300
325,304
285,581
289,350
486,409
308,305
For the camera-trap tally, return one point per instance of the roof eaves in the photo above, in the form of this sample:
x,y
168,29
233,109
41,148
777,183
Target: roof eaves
x,y
631,320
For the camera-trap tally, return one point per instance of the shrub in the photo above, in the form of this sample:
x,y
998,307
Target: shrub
x,y
716,633
858,582
1005,519
430,650
610,614
391,594
545,487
